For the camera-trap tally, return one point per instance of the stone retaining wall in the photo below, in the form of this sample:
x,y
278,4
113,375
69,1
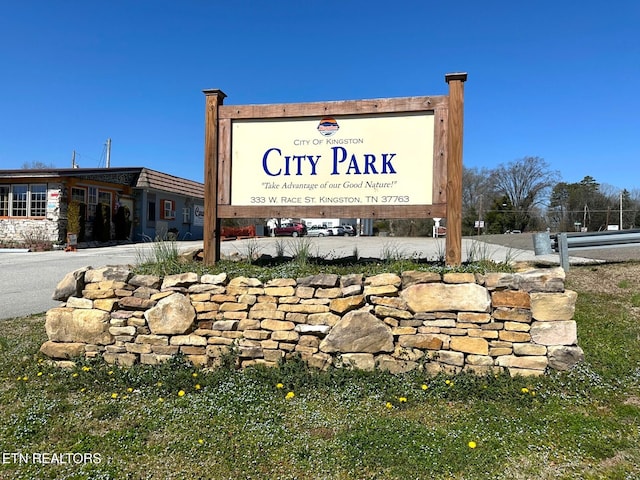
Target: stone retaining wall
x,y
522,322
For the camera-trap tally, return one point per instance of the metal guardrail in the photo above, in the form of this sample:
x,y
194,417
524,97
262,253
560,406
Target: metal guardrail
x,y
563,242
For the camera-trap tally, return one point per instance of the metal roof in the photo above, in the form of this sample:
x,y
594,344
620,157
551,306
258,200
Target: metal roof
x,y
164,182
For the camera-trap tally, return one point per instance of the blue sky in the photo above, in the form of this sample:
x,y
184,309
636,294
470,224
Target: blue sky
x,y
552,79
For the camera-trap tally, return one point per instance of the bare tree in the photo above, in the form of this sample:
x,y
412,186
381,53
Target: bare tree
x,y
36,165
478,193
526,182
476,183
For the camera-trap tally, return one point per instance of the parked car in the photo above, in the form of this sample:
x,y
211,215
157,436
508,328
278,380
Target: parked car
x,y
349,230
319,231
293,229
338,231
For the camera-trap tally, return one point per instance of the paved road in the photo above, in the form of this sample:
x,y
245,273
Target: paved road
x,y
27,280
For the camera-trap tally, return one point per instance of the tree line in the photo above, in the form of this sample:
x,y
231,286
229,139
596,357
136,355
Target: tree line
x,y
527,195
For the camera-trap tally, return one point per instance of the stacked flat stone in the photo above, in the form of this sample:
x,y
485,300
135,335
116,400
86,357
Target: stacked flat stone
x,y
455,322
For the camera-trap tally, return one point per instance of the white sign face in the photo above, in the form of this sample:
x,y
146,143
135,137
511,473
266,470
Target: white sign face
x,y
198,215
343,160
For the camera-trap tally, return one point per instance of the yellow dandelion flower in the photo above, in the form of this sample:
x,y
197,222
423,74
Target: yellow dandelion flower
x,y
389,405
129,389
290,395
472,444
25,378
194,374
19,378
110,372
160,399
448,382
424,387
159,384
533,394
200,441
39,374
114,395
75,375
82,390
402,399
181,393
197,387
524,390
86,369
279,385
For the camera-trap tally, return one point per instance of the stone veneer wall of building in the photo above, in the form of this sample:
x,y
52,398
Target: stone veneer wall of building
x,y
19,230
521,322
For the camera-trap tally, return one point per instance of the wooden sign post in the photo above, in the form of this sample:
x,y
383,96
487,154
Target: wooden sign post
x,y
378,158
211,244
454,168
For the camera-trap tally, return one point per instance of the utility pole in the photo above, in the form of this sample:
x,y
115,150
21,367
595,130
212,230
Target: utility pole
x,y
584,217
620,210
480,215
108,160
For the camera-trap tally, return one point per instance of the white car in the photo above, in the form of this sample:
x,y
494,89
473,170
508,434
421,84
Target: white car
x,y
318,231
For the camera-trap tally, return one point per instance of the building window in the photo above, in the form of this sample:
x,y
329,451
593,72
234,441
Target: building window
x,y
4,201
19,200
92,193
22,200
168,210
151,212
105,198
186,215
78,195
38,205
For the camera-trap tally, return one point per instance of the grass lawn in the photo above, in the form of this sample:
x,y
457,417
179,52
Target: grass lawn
x,y
99,422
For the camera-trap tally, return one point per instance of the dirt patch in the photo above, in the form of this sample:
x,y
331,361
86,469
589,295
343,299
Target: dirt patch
x,y
633,400
613,278
619,281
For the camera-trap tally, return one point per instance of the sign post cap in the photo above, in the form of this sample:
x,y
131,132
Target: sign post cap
x,y
461,76
214,91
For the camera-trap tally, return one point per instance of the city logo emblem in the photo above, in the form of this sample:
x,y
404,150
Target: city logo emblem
x,y
328,126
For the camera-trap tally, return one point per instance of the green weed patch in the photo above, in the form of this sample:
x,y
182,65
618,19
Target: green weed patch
x,y
294,422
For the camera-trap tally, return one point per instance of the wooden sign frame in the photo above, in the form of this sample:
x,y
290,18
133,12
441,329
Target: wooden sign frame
x,y
447,162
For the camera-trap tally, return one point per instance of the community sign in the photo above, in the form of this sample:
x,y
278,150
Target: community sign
x,y
333,160
374,158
